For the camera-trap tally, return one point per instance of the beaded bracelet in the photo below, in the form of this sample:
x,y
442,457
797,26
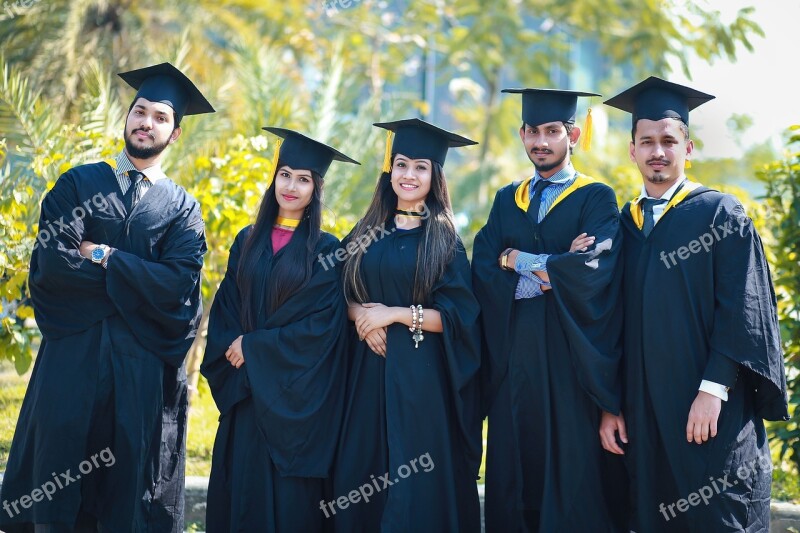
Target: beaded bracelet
x,y
416,325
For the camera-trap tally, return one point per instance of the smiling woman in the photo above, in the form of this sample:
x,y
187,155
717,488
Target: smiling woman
x,y
416,277
411,182
273,359
293,191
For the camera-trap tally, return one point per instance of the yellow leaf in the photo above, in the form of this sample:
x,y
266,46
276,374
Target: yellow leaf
x,y
203,163
25,311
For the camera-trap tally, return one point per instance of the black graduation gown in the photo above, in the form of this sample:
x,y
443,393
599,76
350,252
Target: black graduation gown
x,y
713,304
414,402
550,363
281,411
109,371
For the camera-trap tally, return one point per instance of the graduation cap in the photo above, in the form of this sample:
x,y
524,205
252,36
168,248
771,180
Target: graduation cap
x,y
301,152
417,139
541,106
655,99
166,84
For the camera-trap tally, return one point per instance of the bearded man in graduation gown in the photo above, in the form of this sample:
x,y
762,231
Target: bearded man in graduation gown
x,y
702,351
115,285
545,273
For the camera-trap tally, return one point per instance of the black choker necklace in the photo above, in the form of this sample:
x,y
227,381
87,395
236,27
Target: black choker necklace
x,y
409,213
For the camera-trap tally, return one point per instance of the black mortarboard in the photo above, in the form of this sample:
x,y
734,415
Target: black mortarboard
x,y
301,152
417,139
542,106
168,85
654,99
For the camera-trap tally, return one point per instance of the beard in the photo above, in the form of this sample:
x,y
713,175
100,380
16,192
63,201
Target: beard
x,y
657,178
143,153
548,166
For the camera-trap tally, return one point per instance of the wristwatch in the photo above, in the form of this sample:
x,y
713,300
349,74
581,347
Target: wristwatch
x,y
504,259
99,254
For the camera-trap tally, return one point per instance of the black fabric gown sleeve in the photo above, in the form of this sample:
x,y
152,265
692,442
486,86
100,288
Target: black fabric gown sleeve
x,y
460,314
228,386
745,321
721,370
160,299
587,286
494,289
68,290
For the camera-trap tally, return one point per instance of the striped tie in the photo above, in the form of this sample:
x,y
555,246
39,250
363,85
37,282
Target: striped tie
x,y
134,193
538,192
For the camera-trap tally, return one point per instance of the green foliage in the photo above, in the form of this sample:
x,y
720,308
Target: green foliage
x,y
785,485
782,181
229,185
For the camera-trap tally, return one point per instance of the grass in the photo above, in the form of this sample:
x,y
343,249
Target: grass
x,y
203,422
12,390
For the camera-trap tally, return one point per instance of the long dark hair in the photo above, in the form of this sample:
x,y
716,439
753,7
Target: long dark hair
x,y
291,270
436,249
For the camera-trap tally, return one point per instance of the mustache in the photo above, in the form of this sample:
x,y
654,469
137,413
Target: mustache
x,y
659,160
545,150
143,131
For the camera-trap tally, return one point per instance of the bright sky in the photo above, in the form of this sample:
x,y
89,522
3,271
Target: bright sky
x,y
764,84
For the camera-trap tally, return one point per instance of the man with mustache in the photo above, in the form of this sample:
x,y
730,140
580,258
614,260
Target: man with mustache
x,y
552,333
115,285
702,350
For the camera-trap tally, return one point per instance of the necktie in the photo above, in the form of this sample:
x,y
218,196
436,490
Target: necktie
x,y
647,211
536,202
133,194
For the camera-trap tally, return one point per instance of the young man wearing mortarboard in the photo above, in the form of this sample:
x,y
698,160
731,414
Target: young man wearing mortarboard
x,y
546,274
116,292
702,349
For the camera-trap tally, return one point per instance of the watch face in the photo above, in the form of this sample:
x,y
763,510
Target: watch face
x,y
98,254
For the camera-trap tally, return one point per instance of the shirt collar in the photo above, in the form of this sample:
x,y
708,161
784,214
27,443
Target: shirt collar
x,y
124,165
666,196
562,176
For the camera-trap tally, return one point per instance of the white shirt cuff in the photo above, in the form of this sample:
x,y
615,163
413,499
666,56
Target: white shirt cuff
x,y
720,391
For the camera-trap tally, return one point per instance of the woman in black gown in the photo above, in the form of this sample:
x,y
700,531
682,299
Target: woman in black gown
x,y
410,445
273,360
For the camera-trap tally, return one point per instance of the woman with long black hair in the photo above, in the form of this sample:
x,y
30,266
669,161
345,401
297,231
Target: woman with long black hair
x,y
410,445
273,359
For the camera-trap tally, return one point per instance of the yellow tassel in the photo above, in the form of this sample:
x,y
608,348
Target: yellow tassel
x,y
687,164
387,154
586,142
276,156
